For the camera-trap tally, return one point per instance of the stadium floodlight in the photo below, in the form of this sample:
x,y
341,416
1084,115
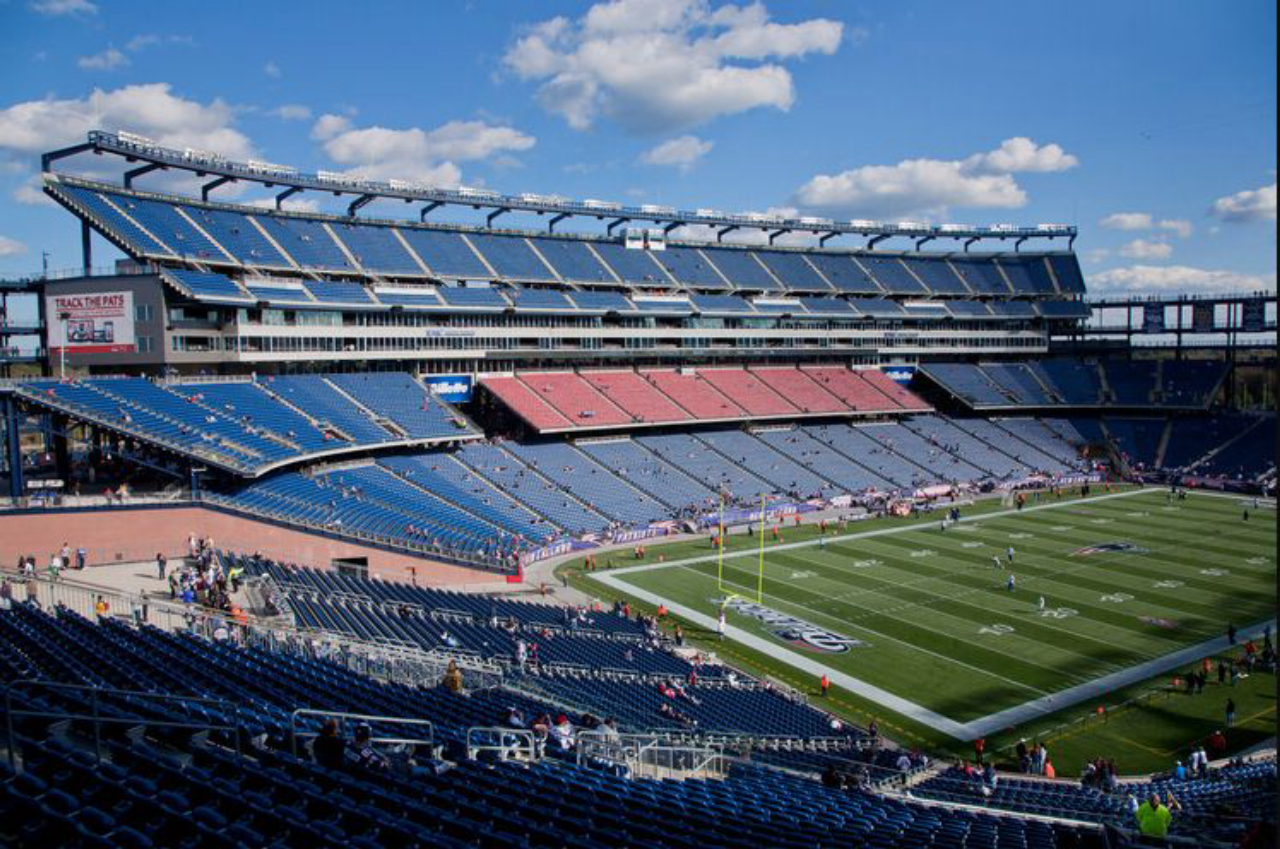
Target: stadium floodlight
x,y
864,223
592,203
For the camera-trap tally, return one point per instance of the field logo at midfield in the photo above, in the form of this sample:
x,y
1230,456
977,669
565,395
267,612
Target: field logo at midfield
x,y
795,631
1109,548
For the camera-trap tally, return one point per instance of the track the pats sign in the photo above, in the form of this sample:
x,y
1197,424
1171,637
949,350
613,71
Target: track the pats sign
x,y
91,323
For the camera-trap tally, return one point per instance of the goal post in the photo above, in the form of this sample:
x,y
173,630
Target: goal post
x,y
728,594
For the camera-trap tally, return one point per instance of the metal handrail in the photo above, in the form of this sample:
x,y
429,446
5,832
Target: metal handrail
x,y
97,719
294,733
511,742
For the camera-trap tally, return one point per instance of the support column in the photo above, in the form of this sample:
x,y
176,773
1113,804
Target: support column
x,y
13,444
86,246
61,454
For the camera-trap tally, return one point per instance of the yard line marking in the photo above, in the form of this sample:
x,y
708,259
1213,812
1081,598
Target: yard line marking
x,y
916,526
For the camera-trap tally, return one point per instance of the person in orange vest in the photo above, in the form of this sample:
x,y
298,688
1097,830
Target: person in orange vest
x,y
979,746
662,611
775,532
825,684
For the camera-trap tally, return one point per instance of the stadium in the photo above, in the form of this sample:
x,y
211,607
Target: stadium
x,y
518,520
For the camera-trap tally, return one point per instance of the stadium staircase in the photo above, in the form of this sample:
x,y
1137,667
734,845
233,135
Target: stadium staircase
x,y
387,424
323,427
1242,435
537,473
1049,390
843,451
1106,394
768,449
438,493
272,241
493,487
1003,448
1165,435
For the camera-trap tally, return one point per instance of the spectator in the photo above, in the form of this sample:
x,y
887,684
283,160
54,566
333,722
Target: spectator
x,y
453,678
366,756
161,562
562,733
329,749
1154,818
101,609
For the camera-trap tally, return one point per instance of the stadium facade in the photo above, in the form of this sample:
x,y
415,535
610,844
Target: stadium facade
x,y
325,371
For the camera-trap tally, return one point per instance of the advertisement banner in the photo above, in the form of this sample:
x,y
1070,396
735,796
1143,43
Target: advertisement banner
x,y
899,374
1153,318
91,323
450,388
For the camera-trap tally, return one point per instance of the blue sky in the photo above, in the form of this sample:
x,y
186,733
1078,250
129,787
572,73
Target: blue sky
x,y
1151,125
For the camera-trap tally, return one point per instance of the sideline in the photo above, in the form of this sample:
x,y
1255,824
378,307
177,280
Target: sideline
x,y
901,529
983,726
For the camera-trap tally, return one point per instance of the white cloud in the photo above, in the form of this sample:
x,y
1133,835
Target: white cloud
x,y
1144,249
64,7
1096,255
1248,205
1021,154
107,60
661,65
149,39
1146,221
930,186
328,126
427,156
1127,221
30,193
152,110
291,112
1176,279
271,69
1177,225
681,152
11,247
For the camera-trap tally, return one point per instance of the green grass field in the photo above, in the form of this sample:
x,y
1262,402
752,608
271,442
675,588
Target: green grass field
x,y
941,629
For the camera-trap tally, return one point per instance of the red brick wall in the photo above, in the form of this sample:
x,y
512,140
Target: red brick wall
x,y
125,535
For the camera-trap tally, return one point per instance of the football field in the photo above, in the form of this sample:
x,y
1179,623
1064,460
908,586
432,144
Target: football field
x,y
925,614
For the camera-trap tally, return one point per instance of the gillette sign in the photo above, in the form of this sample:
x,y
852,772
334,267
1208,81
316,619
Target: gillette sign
x,y
899,374
452,388
790,629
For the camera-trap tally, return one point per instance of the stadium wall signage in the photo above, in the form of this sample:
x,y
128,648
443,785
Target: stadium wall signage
x,y
790,629
1109,548
451,388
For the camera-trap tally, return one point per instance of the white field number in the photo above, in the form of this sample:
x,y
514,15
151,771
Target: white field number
x,y
1117,598
1058,612
998,629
